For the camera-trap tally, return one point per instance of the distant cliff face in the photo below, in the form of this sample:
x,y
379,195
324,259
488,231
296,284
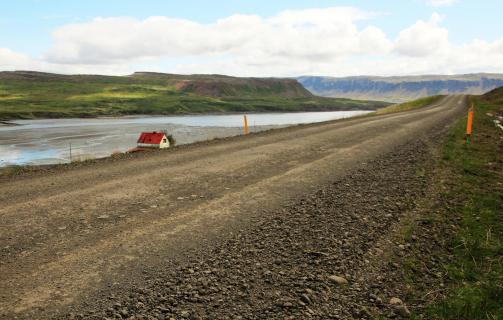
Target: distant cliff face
x,y
398,89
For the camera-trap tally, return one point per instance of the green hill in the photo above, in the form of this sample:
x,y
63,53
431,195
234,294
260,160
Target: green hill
x,y
29,95
495,96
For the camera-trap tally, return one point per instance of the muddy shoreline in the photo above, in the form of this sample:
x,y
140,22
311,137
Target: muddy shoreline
x,y
132,116
8,123
40,142
23,170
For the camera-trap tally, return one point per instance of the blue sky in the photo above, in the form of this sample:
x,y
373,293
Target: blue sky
x,y
27,36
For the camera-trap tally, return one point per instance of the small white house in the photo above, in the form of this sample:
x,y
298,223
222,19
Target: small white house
x,y
153,140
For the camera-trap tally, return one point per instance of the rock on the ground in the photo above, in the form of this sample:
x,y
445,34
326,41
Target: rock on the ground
x,y
339,280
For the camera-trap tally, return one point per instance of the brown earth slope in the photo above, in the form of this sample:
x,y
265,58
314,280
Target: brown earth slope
x,y
215,230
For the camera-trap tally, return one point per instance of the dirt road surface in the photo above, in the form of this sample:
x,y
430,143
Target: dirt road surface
x,y
75,240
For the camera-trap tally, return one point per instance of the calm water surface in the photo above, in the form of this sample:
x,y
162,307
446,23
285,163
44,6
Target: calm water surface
x,y
49,141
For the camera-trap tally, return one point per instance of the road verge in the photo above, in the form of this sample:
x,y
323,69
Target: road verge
x,y
452,267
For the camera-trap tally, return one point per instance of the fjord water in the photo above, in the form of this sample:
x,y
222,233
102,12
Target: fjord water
x,y
49,141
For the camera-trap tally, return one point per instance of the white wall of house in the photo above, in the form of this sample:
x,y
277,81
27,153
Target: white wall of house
x,y
164,144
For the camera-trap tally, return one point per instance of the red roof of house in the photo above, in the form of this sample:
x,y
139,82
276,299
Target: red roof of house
x,y
151,137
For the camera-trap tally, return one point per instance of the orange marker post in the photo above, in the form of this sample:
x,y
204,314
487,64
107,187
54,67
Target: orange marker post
x,y
245,129
469,124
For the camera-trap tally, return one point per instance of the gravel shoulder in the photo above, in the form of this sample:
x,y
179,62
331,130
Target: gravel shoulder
x,y
253,226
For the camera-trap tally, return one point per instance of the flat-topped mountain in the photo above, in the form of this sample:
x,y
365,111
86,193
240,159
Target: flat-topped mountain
x,y
398,89
206,85
221,86
28,94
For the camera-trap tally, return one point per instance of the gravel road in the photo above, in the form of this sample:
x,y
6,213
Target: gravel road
x,y
270,225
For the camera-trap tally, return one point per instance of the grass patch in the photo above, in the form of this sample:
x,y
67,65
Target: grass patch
x,y
475,289
108,95
11,170
411,105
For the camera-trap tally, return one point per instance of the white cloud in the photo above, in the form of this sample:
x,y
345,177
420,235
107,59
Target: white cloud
x,y
247,44
423,38
441,3
11,60
314,33
332,41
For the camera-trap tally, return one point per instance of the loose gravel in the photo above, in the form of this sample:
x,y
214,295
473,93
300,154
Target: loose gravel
x,y
313,259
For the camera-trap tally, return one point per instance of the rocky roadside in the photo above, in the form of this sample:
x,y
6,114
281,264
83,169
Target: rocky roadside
x,y
329,256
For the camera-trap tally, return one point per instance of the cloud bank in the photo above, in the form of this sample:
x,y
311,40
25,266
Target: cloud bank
x,y
330,41
441,3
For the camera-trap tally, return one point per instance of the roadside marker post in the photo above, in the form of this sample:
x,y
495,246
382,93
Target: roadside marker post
x,y
245,129
469,123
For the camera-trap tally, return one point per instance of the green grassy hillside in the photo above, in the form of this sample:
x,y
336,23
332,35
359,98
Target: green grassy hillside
x,y
411,105
29,95
494,97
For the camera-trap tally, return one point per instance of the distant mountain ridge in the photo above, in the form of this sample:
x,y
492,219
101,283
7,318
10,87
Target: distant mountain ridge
x,y
399,89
